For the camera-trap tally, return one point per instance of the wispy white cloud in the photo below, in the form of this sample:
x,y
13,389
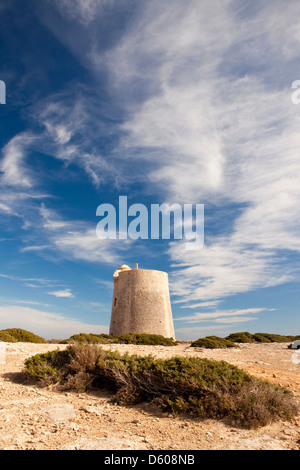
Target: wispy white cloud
x,y
212,303
5,209
213,133
65,293
30,302
69,123
84,245
233,320
107,284
13,168
207,108
220,316
195,332
221,269
19,184
39,281
84,11
34,248
46,324
75,240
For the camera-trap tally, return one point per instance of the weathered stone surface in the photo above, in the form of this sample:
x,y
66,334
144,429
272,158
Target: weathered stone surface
x,y
141,303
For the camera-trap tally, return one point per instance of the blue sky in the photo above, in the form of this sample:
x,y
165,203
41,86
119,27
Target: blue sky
x,y
160,101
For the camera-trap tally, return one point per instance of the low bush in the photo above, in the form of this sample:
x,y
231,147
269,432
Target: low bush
x,y
245,337
242,337
19,335
143,338
261,338
49,367
270,338
213,342
199,387
90,338
5,336
129,338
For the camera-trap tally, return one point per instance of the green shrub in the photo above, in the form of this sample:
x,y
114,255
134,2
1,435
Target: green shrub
x,y
48,367
199,387
21,335
129,338
261,338
275,338
270,338
143,338
213,342
87,338
293,338
5,336
246,337
243,337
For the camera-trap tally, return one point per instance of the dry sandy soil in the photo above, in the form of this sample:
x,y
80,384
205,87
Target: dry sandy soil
x,y
40,418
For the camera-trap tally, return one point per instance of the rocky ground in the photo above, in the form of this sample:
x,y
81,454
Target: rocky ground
x,y
40,418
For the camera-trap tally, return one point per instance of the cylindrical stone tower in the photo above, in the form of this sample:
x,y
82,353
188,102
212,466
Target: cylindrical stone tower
x,y
141,303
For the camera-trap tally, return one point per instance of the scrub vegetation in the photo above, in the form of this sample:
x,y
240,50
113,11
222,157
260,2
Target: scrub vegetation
x,y
245,337
130,338
231,341
194,386
213,342
16,335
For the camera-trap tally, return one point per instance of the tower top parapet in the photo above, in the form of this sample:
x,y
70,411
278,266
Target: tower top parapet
x,y
122,268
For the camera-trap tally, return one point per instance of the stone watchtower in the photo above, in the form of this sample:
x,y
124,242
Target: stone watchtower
x,y
141,303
